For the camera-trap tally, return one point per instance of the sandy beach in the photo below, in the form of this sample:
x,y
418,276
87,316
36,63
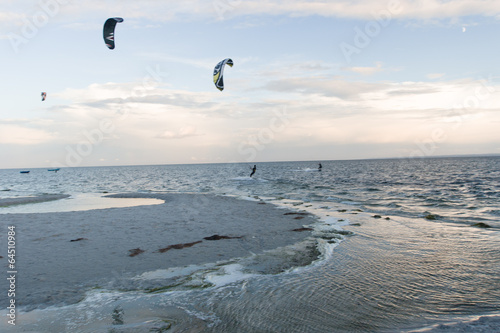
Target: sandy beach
x,y
62,255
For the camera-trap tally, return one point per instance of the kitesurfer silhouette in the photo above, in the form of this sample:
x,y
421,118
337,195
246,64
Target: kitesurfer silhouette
x,y
253,170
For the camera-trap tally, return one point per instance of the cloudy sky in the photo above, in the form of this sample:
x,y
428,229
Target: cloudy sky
x,y
312,80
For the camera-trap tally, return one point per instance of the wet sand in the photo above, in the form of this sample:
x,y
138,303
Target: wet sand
x,y
62,255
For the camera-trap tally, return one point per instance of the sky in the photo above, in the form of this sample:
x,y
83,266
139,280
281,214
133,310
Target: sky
x,y
312,80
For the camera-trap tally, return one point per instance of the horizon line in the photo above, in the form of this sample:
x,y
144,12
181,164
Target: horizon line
x,y
257,162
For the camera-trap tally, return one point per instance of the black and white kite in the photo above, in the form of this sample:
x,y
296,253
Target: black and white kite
x,y
108,31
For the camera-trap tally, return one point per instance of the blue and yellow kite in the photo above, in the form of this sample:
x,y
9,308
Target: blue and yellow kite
x,y
219,72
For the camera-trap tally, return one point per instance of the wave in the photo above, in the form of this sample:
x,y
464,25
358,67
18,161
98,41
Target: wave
x,y
249,179
489,323
306,170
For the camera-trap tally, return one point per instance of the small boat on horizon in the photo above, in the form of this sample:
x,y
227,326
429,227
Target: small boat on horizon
x,y
24,171
55,170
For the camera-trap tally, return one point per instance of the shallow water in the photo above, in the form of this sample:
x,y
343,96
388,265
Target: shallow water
x,y
71,203
421,263
457,189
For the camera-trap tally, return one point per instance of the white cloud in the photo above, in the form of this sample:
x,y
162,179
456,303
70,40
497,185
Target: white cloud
x,y
73,13
434,76
366,70
23,135
183,132
324,110
368,9
336,87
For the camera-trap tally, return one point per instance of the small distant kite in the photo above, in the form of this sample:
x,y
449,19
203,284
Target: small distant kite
x,y
44,96
219,73
108,31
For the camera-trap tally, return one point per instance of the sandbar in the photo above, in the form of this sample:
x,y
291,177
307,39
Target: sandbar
x,y
60,256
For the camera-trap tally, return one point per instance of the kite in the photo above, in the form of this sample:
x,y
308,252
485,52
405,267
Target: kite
x,y
108,31
44,95
219,72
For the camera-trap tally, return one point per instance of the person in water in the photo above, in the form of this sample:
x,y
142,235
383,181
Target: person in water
x,y
320,167
253,170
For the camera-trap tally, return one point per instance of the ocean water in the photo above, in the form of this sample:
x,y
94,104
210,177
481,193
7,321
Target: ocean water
x,y
420,251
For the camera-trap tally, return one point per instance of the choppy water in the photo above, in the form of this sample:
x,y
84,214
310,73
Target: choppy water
x,y
421,263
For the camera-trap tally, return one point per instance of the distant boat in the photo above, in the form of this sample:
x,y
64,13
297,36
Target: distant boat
x,y
25,171
55,170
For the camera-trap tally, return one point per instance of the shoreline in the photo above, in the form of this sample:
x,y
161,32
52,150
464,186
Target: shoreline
x,y
65,254
6,202
57,203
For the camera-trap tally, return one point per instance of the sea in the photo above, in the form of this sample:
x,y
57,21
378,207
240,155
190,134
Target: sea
x,y
420,251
